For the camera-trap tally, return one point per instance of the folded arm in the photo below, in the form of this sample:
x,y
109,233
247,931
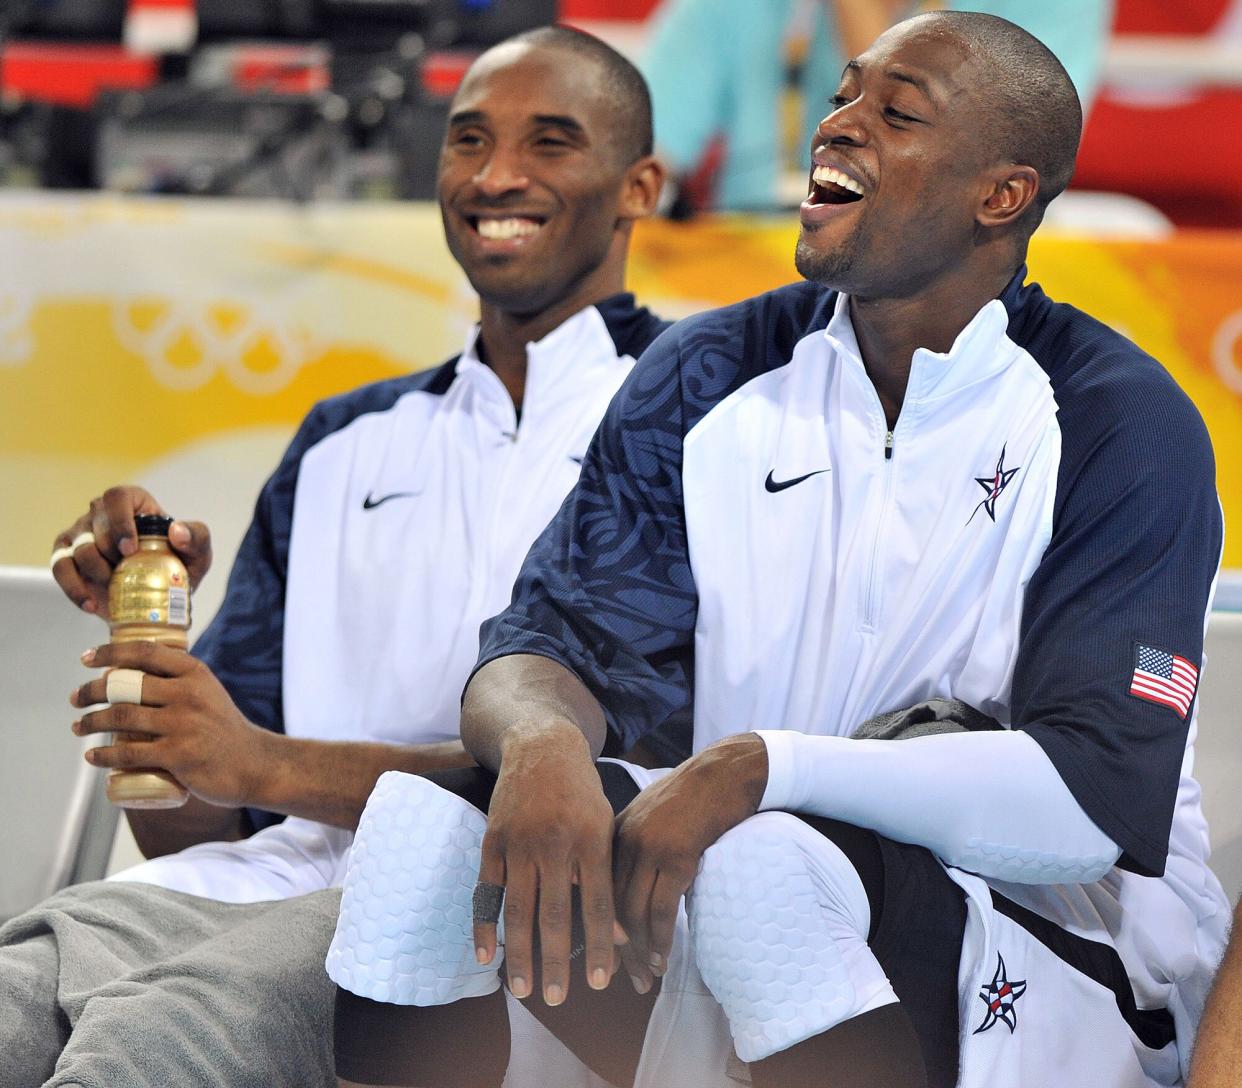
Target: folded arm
x,y
990,802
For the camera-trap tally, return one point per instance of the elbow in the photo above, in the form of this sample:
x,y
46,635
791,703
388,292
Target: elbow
x,y
1044,864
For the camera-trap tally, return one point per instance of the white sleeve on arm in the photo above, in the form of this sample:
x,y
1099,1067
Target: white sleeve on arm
x,y
989,802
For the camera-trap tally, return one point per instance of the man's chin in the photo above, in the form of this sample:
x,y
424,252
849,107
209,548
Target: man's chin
x,y
512,295
829,269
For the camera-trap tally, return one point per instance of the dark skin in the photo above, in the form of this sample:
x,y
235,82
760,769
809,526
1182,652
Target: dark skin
x,y
529,143
1218,1046
937,234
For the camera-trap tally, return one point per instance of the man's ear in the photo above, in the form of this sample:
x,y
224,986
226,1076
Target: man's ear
x,y
1009,194
640,192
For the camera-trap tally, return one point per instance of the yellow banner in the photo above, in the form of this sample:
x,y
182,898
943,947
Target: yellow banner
x,y
178,342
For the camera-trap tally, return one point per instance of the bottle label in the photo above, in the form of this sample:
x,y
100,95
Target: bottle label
x,y
178,607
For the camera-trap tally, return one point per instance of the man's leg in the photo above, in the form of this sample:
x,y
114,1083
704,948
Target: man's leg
x,y
54,957
200,992
833,951
32,1028
446,1025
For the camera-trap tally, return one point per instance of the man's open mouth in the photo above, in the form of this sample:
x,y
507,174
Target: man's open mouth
x,y
829,186
497,228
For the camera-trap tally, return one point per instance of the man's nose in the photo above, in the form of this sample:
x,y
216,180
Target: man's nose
x,y
502,172
842,125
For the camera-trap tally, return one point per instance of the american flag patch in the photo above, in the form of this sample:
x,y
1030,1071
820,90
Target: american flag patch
x,y
1164,678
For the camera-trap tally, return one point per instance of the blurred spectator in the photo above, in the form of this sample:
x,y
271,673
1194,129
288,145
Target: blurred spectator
x,y
1205,112
719,69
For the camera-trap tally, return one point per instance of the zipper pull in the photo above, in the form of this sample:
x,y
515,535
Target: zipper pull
x,y
888,446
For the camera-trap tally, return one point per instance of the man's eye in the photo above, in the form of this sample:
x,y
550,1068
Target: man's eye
x,y
897,115
839,100
466,139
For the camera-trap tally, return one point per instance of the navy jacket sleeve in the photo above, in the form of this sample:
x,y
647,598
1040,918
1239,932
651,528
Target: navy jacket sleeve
x,y
1135,547
607,590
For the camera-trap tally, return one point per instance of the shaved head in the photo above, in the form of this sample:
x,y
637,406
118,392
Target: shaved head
x,y
1030,112
622,83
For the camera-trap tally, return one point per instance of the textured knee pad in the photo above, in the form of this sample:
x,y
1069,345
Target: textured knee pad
x,y
405,933
778,927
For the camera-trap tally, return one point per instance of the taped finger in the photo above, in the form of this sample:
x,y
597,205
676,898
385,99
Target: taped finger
x,y
124,686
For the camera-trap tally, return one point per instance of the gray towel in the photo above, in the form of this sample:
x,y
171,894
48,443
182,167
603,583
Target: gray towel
x,y
149,988
926,719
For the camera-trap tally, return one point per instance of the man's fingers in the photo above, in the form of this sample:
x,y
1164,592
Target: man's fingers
x,y
491,871
635,965
521,891
124,755
633,897
191,540
149,657
85,595
87,552
156,691
555,933
122,718
113,516
602,933
662,919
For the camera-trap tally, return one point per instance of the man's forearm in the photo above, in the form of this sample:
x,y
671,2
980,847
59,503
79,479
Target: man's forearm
x,y
327,781
165,831
524,697
1001,808
330,781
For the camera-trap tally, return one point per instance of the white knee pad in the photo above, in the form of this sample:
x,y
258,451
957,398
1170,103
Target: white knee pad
x,y
778,928
405,933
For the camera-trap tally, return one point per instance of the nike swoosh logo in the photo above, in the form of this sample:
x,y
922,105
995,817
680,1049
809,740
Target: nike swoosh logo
x,y
370,504
779,485
577,460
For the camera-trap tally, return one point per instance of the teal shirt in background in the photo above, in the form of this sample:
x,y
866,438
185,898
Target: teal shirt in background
x,y
716,70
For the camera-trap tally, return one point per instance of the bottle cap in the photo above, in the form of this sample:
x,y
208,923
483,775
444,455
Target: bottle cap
x,y
152,524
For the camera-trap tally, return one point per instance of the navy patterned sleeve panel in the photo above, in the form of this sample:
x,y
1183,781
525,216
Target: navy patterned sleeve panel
x,y
607,590
1135,547
243,645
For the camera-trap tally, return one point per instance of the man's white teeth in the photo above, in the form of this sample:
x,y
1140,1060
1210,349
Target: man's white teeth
x,y
500,229
826,175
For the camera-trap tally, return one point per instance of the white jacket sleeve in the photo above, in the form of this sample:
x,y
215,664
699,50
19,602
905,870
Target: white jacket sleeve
x,y
989,802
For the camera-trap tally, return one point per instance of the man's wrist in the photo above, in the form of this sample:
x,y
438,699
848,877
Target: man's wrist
x,y
547,738
266,770
779,786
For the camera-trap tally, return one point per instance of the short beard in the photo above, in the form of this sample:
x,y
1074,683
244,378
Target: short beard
x,y
827,269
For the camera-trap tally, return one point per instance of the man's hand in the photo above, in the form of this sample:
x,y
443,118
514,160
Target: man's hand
x,y
663,833
84,575
549,828
193,729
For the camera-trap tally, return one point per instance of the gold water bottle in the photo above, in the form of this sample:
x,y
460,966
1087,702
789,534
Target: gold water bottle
x,y
149,601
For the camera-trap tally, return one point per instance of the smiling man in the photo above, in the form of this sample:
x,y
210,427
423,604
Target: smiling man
x,y
912,476
394,525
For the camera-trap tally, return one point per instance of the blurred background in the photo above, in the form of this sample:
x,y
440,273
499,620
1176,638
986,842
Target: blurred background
x,y
215,212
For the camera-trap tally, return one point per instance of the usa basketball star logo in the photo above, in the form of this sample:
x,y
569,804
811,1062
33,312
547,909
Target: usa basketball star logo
x,y
1000,996
994,485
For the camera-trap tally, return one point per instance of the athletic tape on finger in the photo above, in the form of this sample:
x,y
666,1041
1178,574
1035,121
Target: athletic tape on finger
x,y
124,686
81,540
59,554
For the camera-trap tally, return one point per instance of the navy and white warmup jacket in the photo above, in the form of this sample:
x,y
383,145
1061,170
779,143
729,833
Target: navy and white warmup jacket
x,y
1038,536
394,525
